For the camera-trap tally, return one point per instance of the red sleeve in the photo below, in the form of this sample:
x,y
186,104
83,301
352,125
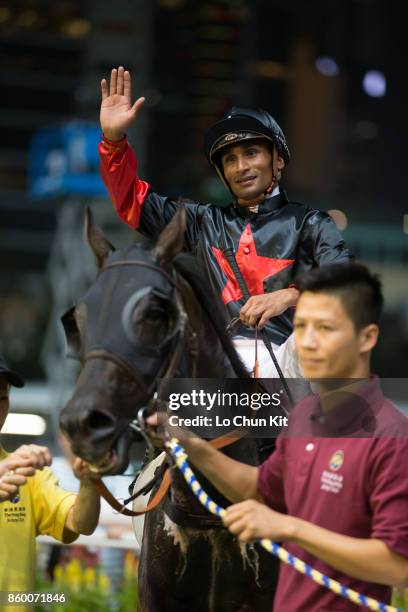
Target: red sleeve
x,y
270,479
388,481
119,173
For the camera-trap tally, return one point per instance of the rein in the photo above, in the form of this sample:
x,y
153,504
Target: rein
x,y
181,459
230,257
217,443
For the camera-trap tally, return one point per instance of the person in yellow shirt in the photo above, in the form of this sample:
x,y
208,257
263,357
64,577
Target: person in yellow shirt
x,y
33,503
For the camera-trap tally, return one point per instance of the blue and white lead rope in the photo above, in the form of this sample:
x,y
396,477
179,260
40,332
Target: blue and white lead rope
x,y
180,458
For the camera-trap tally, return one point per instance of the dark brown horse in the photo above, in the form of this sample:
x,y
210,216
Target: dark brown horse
x,y
149,314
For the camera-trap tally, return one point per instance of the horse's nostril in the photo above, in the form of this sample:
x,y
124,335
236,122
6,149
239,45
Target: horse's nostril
x,y
99,420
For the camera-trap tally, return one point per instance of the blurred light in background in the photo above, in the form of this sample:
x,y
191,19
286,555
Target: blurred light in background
x,y
27,19
234,2
153,97
327,66
339,218
24,424
171,4
366,130
4,14
375,84
77,28
83,93
405,224
269,69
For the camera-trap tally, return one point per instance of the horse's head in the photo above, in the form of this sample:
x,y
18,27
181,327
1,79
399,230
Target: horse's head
x,y
128,331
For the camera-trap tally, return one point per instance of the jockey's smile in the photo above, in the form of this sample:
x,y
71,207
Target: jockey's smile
x,y
248,170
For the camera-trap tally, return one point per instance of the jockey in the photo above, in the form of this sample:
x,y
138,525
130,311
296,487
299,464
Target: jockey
x,y
252,249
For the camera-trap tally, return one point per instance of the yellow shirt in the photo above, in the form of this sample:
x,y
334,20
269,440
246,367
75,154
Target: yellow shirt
x,y
40,508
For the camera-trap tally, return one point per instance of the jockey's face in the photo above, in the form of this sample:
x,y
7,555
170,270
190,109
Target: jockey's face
x,y
247,168
327,342
4,399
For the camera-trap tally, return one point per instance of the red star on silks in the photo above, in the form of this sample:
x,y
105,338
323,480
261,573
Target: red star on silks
x,y
254,268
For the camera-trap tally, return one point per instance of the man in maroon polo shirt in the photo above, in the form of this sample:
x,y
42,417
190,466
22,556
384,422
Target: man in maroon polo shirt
x,y
335,492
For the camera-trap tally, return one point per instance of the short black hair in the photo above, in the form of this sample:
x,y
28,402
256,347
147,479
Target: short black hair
x,y
360,291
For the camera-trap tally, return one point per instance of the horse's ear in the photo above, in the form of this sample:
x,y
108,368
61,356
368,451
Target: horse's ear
x,y
170,241
97,240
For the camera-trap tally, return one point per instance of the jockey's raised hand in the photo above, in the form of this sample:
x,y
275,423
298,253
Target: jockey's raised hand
x,y
117,111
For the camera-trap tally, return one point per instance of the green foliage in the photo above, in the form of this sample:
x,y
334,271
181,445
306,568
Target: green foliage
x,y
88,589
400,599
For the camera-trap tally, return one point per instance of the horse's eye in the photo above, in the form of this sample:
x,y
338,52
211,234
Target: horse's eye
x,y
151,321
156,314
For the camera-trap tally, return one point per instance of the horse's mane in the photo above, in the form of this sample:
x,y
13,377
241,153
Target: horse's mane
x,y
188,267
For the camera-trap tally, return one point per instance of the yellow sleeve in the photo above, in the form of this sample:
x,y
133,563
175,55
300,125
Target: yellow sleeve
x,y
50,503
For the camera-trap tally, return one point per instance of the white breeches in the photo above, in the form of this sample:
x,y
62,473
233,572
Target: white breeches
x,y
285,354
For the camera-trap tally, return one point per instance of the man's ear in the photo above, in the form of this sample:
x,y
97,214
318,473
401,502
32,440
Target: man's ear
x,y
368,337
280,162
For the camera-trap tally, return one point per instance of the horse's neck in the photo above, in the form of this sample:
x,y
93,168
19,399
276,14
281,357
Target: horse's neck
x,y
212,360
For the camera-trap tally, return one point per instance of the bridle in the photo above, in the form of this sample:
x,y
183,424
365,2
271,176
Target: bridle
x,y
181,336
175,340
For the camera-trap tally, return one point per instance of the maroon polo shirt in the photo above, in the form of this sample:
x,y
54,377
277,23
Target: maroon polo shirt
x,y
356,486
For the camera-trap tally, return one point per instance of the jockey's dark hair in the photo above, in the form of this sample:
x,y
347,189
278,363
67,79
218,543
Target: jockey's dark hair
x,y
360,291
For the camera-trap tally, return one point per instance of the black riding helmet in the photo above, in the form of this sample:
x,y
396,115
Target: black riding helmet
x,y
243,124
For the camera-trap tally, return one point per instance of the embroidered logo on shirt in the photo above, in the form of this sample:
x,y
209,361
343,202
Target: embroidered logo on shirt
x,y
331,482
336,461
